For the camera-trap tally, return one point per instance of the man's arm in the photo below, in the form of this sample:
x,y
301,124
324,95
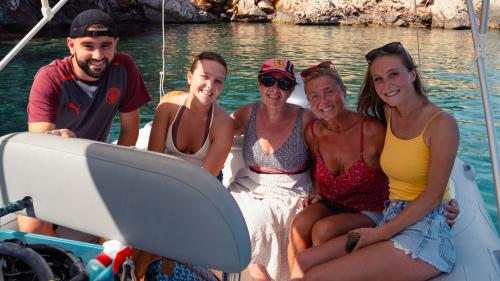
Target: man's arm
x,y
129,128
49,128
41,127
44,101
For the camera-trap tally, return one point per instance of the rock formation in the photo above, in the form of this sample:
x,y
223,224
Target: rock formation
x,y
21,15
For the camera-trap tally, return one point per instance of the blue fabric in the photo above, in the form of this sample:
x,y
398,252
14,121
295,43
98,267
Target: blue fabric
x,y
429,239
181,272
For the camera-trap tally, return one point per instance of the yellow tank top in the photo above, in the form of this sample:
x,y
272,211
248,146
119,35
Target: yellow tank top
x,y
406,163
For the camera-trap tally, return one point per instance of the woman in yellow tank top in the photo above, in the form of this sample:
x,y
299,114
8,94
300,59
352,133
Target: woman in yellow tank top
x,y
413,241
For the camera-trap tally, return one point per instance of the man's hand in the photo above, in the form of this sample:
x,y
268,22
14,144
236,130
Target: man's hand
x,y
50,128
65,133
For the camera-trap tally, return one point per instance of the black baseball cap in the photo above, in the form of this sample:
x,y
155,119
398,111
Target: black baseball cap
x,y
89,17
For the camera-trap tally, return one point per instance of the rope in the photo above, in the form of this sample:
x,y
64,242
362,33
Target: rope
x,y
12,207
162,72
417,20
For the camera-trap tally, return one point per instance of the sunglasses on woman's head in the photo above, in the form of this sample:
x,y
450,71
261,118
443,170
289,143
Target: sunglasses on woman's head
x,y
313,69
284,84
390,48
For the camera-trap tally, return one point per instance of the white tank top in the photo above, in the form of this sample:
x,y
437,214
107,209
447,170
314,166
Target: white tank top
x,y
195,158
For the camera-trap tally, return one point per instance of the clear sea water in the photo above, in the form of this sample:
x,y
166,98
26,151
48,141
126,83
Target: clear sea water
x,y
445,57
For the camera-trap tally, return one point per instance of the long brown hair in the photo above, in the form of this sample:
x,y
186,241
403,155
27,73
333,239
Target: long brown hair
x,y
368,101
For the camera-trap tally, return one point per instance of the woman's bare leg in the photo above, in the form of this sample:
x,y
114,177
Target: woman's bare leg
x,y
324,231
336,225
379,261
32,225
300,230
317,255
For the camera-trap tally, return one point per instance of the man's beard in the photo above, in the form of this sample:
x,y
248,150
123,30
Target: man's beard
x,y
85,67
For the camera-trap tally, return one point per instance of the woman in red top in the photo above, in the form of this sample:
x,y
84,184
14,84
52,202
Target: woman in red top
x,y
349,187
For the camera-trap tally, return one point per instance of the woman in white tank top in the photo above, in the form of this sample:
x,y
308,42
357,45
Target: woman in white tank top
x,y
191,125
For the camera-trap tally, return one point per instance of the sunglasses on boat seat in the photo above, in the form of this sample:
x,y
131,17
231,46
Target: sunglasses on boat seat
x,y
308,72
390,48
284,84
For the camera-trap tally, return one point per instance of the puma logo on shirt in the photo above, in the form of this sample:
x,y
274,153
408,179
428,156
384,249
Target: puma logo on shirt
x,y
76,108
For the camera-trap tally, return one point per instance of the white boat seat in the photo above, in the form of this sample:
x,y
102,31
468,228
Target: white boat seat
x,y
150,201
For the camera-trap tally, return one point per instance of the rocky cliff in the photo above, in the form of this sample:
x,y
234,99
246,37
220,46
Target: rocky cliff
x,y
21,15
434,13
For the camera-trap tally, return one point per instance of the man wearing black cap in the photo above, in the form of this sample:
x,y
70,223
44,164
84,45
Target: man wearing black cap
x,y
78,96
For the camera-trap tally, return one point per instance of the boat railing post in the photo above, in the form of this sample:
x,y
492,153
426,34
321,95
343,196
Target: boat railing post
x,y
480,39
48,13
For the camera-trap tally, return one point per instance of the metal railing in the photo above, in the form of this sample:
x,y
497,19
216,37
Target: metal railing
x,y
48,13
480,39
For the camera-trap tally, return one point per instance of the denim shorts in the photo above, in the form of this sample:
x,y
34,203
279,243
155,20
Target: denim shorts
x,y
428,239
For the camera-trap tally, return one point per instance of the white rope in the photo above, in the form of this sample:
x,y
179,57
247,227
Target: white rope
x,y
162,72
418,41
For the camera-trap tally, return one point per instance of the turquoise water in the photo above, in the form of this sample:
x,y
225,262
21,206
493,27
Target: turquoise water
x,y
446,62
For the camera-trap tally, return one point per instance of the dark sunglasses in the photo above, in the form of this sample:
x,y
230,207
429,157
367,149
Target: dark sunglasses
x,y
284,84
390,48
313,69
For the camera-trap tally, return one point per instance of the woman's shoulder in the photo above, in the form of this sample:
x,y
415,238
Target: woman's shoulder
x,y
442,131
373,133
222,123
245,107
308,129
243,112
307,114
220,114
308,118
373,126
295,106
309,137
176,97
440,120
169,104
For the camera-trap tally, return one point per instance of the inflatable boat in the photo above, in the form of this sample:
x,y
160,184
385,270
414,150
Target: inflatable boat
x,y
163,205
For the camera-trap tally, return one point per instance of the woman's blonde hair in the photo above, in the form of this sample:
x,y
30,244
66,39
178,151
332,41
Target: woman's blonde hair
x,y
325,72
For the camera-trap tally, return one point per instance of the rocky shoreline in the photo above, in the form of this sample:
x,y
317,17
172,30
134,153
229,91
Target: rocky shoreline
x,y
22,15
